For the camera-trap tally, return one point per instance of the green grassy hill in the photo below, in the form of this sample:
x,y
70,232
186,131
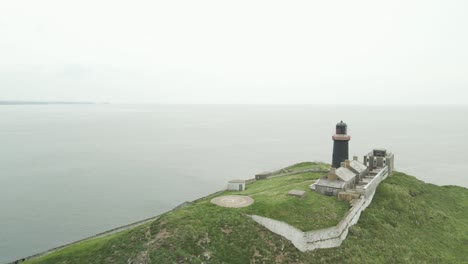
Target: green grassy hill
x,y
408,221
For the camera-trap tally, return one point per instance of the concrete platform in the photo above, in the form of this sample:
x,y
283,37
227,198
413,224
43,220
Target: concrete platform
x,y
297,193
234,201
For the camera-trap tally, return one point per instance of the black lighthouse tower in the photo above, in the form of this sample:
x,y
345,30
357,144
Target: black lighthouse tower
x,y
340,144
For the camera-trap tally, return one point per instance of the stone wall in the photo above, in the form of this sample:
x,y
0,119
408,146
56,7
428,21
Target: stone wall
x,y
249,181
372,185
327,237
283,172
328,190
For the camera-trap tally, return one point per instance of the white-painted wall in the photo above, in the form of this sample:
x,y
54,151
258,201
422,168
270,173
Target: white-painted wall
x,y
234,186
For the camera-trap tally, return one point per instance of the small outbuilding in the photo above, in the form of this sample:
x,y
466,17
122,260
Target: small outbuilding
x,y
262,175
236,185
379,158
336,181
357,167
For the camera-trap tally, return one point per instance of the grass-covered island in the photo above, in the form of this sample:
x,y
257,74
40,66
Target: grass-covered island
x,y
408,221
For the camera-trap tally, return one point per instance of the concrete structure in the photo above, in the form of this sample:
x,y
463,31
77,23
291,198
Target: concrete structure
x,y
236,185
331,236
340,144
233,201
297,193
358,168
341,179
336,181
379,158
350,173
263,175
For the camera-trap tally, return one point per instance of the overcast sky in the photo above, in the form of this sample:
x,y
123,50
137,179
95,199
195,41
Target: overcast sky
x,y
345,52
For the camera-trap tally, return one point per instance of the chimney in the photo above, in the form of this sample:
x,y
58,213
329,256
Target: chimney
x,y
332,174
347,163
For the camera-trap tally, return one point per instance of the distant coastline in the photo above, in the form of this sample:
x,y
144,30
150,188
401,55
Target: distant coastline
x,y
40,102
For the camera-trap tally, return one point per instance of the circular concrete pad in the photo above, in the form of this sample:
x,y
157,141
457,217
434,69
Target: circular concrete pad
x,y
233,201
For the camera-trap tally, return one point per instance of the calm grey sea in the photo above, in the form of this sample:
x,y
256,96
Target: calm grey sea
x,y
71,171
